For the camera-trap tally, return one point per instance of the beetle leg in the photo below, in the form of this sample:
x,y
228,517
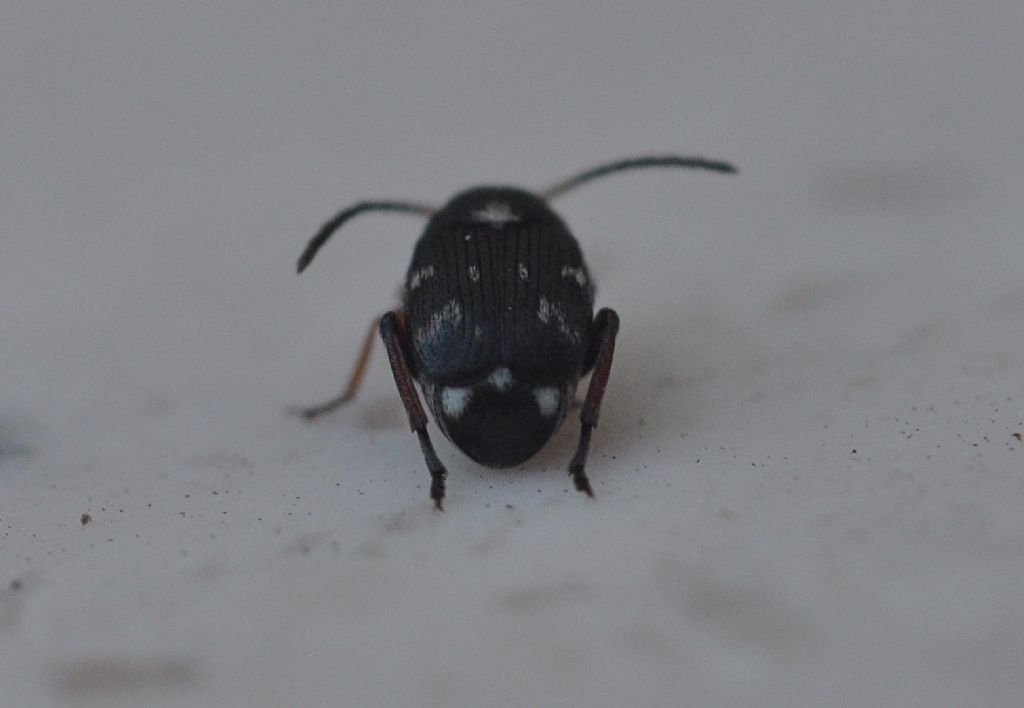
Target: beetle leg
x,y
355,380
393,337
606,326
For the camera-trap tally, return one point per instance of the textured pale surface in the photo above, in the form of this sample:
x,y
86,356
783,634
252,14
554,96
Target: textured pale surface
x,y
808,489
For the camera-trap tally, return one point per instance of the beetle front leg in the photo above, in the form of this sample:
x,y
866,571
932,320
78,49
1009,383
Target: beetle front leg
x,y
393,336
606,326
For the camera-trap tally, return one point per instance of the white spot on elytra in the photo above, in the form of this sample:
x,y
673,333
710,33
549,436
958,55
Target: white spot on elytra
x,y
501,378
448,316
497,213
576,274
544,310
418,276
523,273
547,400
474,274
552,311
455,400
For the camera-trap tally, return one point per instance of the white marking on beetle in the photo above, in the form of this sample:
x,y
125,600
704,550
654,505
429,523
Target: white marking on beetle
x,y
448,316
474,274
548,311
547,400
455,400
544,310
496,213
418,276
523,273
501,379
576,274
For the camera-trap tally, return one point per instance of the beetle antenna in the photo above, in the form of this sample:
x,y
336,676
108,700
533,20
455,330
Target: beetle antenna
x,y
328,229
634,163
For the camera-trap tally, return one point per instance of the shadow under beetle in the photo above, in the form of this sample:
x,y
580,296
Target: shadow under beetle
x,y
496,323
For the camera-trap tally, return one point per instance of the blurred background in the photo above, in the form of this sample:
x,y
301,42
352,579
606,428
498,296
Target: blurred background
x,y
808,465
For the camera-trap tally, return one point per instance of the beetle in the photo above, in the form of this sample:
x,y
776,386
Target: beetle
x,y
496,324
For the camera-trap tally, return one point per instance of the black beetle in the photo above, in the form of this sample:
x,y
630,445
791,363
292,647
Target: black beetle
x,y
496,323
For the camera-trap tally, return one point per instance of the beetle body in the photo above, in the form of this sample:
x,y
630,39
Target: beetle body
x,y
497,323
499,306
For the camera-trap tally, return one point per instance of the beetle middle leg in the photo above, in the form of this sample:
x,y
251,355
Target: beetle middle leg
x,y
355,380
606,326
394,337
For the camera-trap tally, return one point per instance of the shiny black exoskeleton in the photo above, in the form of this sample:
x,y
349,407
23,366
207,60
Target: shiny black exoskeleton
x,y
500,309
496,324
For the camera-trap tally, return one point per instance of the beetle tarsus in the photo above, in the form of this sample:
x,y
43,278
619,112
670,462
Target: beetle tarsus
x,y
437,491
580,480
314,412
579,460
438,473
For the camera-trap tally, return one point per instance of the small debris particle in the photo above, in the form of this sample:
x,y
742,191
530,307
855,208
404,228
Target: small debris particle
x,y
1017,437
16,584
86,518
853,451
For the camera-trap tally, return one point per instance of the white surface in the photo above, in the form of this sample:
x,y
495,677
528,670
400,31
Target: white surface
x,y
808,492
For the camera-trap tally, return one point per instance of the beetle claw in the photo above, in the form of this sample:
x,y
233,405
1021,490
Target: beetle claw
x,y
580,480
437,490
